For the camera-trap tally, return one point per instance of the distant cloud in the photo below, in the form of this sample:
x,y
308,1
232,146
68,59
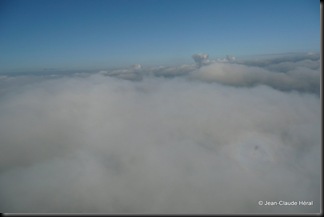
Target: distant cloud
x,y
201,59
300,72
163,140
228,58
172,71
131,73
137,66
299,78
268,60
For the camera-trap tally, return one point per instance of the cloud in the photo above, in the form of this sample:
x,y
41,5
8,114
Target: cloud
x,y
201,59
286,72
171,71
295,78
289,58
137,66
228,58
99,143
131,73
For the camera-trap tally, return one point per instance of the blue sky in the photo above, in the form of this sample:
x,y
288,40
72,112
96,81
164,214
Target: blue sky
x,y
76,34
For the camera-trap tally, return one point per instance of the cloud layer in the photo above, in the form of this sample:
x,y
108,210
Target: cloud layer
x,y
299,79
169,142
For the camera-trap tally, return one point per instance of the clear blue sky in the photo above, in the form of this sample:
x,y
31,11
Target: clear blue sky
x,y
79,34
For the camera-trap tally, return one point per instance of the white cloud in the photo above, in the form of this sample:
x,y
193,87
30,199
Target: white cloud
x,y
289,72
298,78
159,145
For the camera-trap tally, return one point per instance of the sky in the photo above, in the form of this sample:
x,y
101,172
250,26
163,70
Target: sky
x,y
40,35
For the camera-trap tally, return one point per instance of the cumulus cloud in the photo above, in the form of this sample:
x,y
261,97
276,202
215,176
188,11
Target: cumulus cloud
x,y
100,143
299,78
201,59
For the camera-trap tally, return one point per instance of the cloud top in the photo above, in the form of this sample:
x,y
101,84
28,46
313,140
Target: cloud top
x,y
217,139
201,59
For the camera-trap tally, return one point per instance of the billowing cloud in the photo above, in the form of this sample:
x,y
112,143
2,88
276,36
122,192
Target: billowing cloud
x,y
299,78
201,59
166,143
